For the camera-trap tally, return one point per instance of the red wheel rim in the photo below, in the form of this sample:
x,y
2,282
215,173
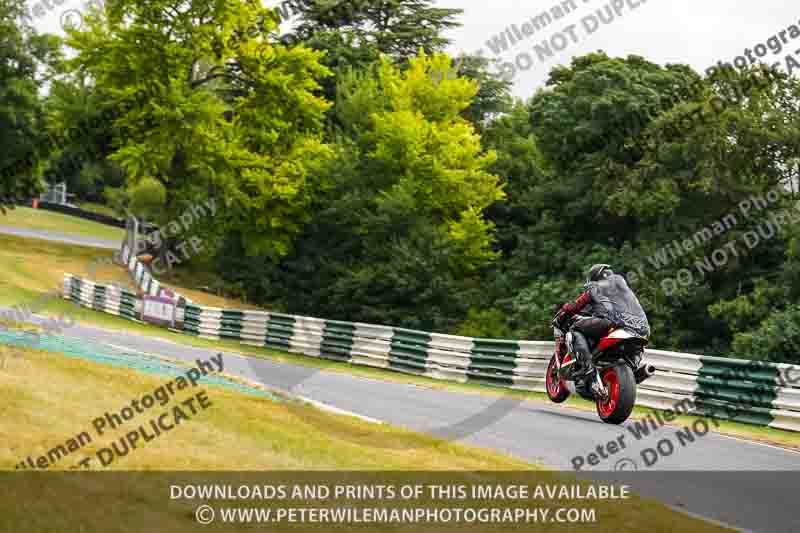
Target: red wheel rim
x,y
612,385
553,383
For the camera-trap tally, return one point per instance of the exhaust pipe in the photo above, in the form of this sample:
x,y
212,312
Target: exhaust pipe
x,y
644,372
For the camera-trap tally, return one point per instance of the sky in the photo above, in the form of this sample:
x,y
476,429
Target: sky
x,y
695,32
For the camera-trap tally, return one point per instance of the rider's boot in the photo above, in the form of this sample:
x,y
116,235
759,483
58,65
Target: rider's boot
x,y
582,351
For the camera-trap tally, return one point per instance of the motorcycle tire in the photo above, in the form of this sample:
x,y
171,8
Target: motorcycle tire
x,y
557,389
621,385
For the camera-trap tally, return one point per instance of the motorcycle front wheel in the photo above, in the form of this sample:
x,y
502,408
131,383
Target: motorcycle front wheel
x,y
621,386
557,390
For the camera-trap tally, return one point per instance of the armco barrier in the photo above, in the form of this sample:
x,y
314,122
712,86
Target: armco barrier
x,y
107,299
144,279
765,394
759,393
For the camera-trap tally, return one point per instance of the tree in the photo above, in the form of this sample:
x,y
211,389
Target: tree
x,y
698,172
25,63
588,124
341,54
147,199
524,171
212,107
82,135
398,28
427,157
494,96
401,236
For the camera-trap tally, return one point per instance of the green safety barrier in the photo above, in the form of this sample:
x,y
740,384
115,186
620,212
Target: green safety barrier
x,y
709,382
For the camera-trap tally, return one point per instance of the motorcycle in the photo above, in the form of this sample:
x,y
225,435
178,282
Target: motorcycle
x,y
617,359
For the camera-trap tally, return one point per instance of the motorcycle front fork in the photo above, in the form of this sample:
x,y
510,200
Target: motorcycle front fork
x,y
598,387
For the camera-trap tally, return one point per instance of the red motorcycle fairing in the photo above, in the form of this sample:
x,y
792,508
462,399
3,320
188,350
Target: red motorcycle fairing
x,y
614,337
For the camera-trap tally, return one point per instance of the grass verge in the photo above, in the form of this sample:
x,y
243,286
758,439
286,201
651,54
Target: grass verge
x,y
43,220
50,398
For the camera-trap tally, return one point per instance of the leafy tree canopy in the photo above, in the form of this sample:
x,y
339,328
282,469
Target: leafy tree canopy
x,y
398,28
27,60
212,106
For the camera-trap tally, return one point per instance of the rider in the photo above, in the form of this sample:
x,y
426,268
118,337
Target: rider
x,y
611,303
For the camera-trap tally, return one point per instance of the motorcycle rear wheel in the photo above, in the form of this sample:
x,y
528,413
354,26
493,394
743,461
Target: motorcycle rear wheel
x,y
557,390
621,386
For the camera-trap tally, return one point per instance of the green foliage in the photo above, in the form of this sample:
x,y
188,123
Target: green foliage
x,y
342,55
777,339
147,199
742,312
399,28
26,59
400,236
627,175
485,324
211,106
741,150
524,170
534,307
588,126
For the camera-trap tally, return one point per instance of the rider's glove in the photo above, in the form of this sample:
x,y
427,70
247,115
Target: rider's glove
x,y
559,319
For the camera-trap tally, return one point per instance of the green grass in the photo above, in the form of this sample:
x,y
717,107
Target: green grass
x,y
49,397
43,220
32,267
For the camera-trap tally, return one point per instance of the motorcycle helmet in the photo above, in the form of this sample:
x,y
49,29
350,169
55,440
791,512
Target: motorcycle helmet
x,y
598,272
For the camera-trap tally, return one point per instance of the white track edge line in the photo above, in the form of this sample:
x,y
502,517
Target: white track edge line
x,y
332,409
